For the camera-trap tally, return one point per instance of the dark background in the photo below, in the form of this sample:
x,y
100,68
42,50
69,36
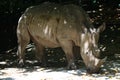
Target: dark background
x,y
100,11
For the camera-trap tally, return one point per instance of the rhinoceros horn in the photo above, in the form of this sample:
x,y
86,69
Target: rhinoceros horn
x,y
104,59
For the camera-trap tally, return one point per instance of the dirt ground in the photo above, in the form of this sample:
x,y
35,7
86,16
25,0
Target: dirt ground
x,y
54,74
10,71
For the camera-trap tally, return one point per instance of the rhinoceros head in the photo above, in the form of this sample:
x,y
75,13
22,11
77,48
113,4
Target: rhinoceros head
x,y
89,49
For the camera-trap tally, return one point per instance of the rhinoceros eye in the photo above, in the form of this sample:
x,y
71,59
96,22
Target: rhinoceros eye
x,y
87,51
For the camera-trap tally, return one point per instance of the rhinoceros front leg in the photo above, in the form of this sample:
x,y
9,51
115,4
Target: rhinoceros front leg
x,y
67,46
40,55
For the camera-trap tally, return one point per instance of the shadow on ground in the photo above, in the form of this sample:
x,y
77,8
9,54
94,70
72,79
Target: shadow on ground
x,y
9,60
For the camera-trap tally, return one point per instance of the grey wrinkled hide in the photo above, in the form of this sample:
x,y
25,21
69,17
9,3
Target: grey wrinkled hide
x,y
53,25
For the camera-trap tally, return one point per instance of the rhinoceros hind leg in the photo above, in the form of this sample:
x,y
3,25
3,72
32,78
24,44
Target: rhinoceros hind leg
x,y
23,40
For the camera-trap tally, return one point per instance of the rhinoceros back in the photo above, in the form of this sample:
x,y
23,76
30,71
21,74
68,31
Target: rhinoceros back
x,y
50,21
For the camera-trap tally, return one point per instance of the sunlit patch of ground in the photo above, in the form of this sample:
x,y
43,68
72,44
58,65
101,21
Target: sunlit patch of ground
x,y
111,71
53,74
32,71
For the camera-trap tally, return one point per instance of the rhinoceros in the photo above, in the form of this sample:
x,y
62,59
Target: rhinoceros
x,y
56,25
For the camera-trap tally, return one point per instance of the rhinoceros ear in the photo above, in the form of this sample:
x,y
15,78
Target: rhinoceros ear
x,y
104,59
101,28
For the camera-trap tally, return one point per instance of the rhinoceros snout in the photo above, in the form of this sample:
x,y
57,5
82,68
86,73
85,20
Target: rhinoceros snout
x,y
90,71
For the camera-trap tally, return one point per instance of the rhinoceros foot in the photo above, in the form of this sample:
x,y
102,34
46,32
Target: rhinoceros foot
x,y
21,63
72,66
